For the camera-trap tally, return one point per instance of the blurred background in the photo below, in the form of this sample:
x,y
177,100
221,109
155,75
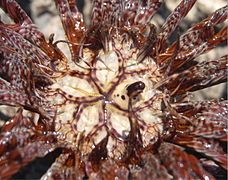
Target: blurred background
x,y
45,16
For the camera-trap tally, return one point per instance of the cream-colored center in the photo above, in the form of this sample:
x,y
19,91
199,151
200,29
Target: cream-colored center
x,y
92,101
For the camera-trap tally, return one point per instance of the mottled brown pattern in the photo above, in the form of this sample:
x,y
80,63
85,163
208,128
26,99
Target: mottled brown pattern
x,y
120,106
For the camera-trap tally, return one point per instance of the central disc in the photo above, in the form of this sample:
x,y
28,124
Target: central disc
x,y
103,95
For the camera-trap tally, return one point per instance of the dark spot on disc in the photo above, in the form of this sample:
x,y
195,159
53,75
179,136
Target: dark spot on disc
x,y
135,88
123,97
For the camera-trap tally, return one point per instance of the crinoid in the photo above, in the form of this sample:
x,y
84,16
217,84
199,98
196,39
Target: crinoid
x,y
119,107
